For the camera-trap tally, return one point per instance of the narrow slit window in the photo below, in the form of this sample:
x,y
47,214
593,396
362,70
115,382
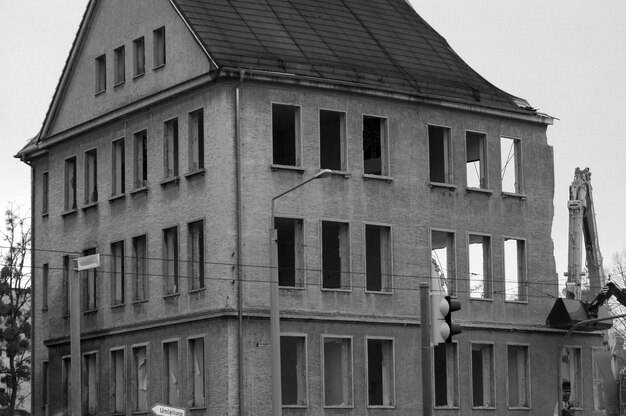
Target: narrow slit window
x,y
483,383
380,373
45,192
140,378
293,370
66,384
170,260
118,381
139,57
337,357
119,64
118,180
378,258
90,384
446,373
89,279
140,267
476,160
375,146
440,154
196,140
70,184
519,380
141,159
332,140
44,285
159,47
443,261
91,176
171,373
196,254
118,276
197,371
45,399
285,134
101,74
335,255
515,269
66,285
479,253
171,149
290,252
510,165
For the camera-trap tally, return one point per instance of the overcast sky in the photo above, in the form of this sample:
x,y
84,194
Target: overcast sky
x,y
566,57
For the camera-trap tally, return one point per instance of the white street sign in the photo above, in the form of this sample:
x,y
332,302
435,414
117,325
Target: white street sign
x,y
88,262
162,410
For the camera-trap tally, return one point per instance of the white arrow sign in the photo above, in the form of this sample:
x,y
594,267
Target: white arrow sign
x,y
162,410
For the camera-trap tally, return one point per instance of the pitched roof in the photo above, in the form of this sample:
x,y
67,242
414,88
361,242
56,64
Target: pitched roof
x,y
382,44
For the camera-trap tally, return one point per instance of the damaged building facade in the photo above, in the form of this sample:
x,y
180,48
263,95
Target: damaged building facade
x,y
173,127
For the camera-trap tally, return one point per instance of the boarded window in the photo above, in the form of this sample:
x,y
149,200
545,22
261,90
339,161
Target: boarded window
x,y
119,64
375,146
118,171
332,140
44,286
483,387
476,159
196,254
158,39
140,268
101,74
290,252
197,369
140,169
196,140
378,258
66,285
140,378
171,148
91,176
118,273
337,372
511,165
335,255
66,384
139,57
171,373
443,261
515,269
90,384
439,154
293,370
380,372
45,192
479,253
118,381
518,377
170,260
446,371
89,279
70,184
285,135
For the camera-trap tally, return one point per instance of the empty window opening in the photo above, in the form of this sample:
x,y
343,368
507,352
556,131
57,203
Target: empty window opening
x,y
510,165
439,154
90,384
89,278
170,260
479,253
171,374
139,57
118,180
159,47
197,369
141,159
171,149
196,140
139,375
380,372
196,254
44,285
335,255
66,384
337,372
70,184
599,399
483,387
290,252
375,146
117,279
378,258
140,268
45,394
518,376
443,261
45,192
515,269
101,74
285,134
476,165
66,285
332,140
293,370
446,371
119,64
91,176
118,381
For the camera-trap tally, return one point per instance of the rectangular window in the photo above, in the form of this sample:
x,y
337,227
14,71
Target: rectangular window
x,y
196,254
171,373
140,268
118,177
511,165
70,184
66,384
45,192
118,275
159,47
140,169
515,269
170,260
45,395
440,154
375,144
290,243
89,280
293,370
446,371
479,253
337,364
171,149
332,140
119,63
139,375
118,381
518,376
139,57
335,255
483,382
197,371
91,176
476,159
443,261
66,285
286,135
377,258
196,140
90,384
380,373
101,74
44,286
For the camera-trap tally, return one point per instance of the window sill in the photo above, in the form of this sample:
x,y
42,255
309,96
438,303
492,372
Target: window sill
x,y
137,76
117,197
199,290
456,407
141,412
90,311
528,408
44,309
483,408
158,67
100,92
340,290
140,301
66,316
481,299
295,406
292,287
197,408
381,406
143,189
441,185
292,168
369,176
118,306
70,212
197,172
343,173
119,84
45,215
514,195
171,296
347,406
168,181
479,191
519,302
378,292
89,206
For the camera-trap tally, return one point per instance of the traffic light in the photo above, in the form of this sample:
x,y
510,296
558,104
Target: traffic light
x,y
453,305
442,328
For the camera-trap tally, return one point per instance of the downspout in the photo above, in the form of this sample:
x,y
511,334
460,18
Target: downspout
x,y
33,286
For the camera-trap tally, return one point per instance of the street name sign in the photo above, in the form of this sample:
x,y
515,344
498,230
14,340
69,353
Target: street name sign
x,y
162,410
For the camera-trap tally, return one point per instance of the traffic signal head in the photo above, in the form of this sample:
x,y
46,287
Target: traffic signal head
x,y
440,331
453,329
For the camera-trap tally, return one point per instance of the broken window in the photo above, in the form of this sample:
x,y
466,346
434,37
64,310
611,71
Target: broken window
x,y
119,64
518,376
171,373
66,384
293,370
196,140
377,258
197,369
118,174
515,269
375,146
286,135
89,284
439,154
443,261
139,57
139,375
171,149
380,372
337,372
483,387
118,381
44,286
170,260
141,159
159,47
476,159
45,192
140,268
479,256
332,140
290,252
196,254
70,184
66,285
91,176
335,255
90,384
101,74
446,371
117,278
511,166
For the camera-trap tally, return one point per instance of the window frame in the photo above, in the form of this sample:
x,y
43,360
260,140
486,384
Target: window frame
x,y
384,147
490,282
134,377
175,260
350,338
174,143
159,50
165,387
66,384
84,370
529,378
297,136
196,148
343,140
202,257
100,74
303,336
492,376
448,157
456,383
393,372
343,286
454,291
518,167
89,283
139,45
390,278
45,386
144,277
119,66
299,273
113,379
118,173
114,274
45,280
45,193
70,203
140,163
190,377
91,195
522,284
483,160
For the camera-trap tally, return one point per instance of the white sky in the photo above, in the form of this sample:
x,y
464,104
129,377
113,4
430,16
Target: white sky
x,y
566,57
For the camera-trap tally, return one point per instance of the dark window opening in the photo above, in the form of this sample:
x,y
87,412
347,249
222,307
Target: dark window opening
x,y
170,260
332,140
196,254
119,63
91,176
139,57
89,279
171,149
293,370
439,154
285,134
101,73
380,372
377,258
141,159
290,251
335,255
374,145
196,140
159,47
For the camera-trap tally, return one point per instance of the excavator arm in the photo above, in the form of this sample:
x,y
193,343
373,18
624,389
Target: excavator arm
x,y
607,291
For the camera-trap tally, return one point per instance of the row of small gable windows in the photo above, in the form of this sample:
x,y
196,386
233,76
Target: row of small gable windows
x,y
286,145
139,60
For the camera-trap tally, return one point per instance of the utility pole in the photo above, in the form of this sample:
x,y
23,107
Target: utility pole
x,y
427,367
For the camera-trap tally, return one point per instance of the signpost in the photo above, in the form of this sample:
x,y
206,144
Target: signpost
x,y
163,410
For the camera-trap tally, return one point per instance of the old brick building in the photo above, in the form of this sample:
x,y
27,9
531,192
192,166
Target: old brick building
x,y
173,126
